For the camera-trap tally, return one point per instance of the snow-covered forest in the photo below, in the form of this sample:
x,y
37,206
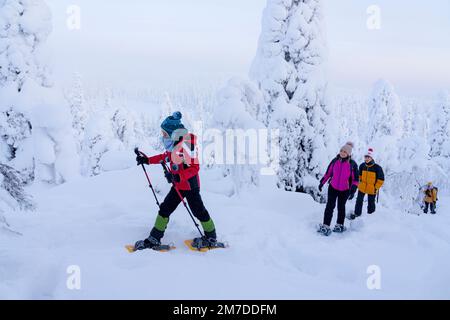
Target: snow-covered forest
x,y
59,142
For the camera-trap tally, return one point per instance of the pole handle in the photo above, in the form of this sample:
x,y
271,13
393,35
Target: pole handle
x,y
139,153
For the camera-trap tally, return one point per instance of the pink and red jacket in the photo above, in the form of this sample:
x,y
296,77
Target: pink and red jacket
x,y
183,160
343,173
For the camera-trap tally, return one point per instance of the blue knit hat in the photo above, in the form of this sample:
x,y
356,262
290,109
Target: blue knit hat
x,y
172,123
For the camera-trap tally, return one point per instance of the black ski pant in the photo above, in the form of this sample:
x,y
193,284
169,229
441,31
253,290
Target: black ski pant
x,y
431,206
341,198
371,207
171,202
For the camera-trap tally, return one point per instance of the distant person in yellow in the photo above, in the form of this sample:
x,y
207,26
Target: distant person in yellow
x,y
371,179
430,198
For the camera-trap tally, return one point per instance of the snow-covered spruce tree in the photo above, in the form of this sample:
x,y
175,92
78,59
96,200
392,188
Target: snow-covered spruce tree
x,y
36,129
385,112
234,116
98,139
107,128
125,127
420,125
385,125
15,141
415,169
21,32
408,109
288,69
24,25
55,149
351,115
78,109
131,128
440,127
294,137
11,189
413,148
399,150
166,107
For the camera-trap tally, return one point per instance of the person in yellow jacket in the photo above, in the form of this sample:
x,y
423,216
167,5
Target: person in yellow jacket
x,y
430,198
371,179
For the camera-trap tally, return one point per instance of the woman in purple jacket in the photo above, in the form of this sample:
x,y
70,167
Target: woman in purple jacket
x,y
343,176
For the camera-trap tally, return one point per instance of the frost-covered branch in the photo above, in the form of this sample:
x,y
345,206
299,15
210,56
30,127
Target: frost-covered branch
x,y
12,188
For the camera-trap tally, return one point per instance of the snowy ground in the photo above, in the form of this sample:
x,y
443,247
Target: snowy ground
x,y
275,252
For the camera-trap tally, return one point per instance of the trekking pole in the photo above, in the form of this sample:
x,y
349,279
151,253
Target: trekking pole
x,y
167,171
140,153
417,181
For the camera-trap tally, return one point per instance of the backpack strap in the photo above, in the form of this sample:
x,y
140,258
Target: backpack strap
x,y
354,172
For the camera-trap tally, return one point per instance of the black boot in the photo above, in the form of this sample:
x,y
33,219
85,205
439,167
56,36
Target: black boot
x,y
211,235
148,243
353,216
204,242
339,228
324,230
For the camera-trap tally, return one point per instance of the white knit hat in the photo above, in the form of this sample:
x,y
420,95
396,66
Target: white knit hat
x,y
370,153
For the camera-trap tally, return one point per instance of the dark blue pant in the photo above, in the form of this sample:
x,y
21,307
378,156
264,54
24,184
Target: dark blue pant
x,y
360,201
431,206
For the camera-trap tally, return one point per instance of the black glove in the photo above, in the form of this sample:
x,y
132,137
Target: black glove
x,y
352,192
171,178
140,159
320,187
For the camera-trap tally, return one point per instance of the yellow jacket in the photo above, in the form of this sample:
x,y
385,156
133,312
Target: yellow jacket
x,y
430,195
371,178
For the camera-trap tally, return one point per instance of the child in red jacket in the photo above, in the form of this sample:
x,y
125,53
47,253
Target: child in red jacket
x,y
181,154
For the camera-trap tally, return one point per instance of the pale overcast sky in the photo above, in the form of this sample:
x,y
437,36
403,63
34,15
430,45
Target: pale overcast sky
x,y
146,42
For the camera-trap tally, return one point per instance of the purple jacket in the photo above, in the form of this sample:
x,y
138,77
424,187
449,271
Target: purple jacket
x,y
343,174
